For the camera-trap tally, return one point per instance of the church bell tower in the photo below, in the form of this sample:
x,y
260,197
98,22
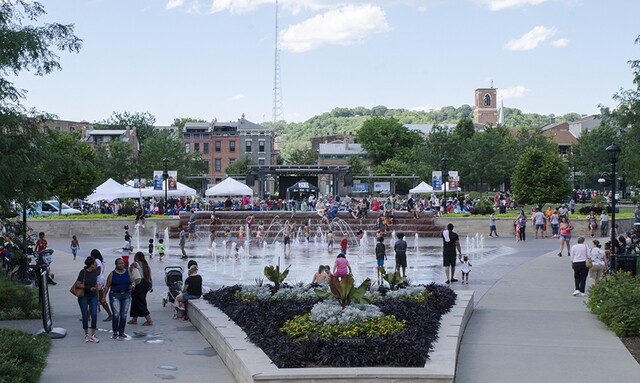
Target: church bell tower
x,y
486,110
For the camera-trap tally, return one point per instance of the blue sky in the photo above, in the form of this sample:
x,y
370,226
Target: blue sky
x,y
215,58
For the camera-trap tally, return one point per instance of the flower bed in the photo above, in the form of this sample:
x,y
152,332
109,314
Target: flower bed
x,y
401,337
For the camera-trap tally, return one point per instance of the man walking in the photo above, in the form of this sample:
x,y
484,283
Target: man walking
x,y
539,221
451,243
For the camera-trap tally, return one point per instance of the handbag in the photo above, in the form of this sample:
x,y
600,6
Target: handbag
x,y
588,263
135,275
77,288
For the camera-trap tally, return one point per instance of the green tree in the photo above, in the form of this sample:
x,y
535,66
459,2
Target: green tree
x,y
115,161
399,168
142,122
588,155
70,165
357,166
464,130
302,157
487,157
540,178
26,46
239,167
385,138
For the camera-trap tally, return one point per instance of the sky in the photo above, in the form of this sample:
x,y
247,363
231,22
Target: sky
x,y
214,59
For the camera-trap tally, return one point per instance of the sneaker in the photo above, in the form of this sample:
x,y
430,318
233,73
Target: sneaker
x,y
454,280
86,338
122,336
94,339
583,294
447,281
576,293
559,254
114,336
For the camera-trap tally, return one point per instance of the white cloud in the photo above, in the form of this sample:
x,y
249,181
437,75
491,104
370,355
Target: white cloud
x,y
560,43
498,5
511,93
237,97
347,25
174,4
531,39
424,108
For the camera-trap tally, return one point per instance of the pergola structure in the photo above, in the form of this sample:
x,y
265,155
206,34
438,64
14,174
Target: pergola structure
x,y
265,173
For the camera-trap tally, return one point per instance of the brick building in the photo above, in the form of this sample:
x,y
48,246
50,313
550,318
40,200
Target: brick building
x,y
223,143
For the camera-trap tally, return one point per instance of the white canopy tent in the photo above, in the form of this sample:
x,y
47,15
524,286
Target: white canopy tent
x,y
182,190
423,187
110,190
229,187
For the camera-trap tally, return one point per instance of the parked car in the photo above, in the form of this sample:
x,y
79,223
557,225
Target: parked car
x,y
46,208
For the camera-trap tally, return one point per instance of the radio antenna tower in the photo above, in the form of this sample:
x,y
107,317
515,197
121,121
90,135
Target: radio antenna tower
x,y
277,91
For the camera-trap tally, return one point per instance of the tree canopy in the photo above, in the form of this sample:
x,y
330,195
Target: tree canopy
x,y
386,138
540,177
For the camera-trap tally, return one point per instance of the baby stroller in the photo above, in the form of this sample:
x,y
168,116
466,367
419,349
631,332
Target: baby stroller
x,y
173,279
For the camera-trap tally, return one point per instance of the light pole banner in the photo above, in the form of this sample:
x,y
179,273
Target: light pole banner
x,y
157,180
173,180
436,180
454,180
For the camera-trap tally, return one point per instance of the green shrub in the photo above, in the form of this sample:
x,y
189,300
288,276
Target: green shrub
x,y
302,327
616,302
22,357
18,301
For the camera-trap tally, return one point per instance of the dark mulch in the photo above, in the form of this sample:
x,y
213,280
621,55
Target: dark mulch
x,y
262,320
633,345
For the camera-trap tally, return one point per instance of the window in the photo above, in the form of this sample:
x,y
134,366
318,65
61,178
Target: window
x,y
261,146
218,146
205,148
261,161
248,146
218,165
196,146
231,161
232,146
206,164
187,148
487,100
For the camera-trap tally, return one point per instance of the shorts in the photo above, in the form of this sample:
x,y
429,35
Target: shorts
x,y
492,227
538,227
287,240
188,297
380,262
401,259
565,237
192,228
449,259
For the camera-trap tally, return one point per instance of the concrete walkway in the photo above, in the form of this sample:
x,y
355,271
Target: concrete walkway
x,y
527,327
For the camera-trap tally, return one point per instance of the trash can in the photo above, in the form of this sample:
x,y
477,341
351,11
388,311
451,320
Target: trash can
x,y
625,262
503,209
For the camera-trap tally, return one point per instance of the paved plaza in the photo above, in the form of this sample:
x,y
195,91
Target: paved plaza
x,y
526,327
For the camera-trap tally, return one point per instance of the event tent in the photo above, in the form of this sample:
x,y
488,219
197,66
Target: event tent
x,y
302,186
182,190
110,190
229,187
423,187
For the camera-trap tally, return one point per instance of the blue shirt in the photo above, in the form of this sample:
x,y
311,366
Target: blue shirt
x,y
120,282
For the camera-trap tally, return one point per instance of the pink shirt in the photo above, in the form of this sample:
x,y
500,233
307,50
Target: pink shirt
x,y
342,267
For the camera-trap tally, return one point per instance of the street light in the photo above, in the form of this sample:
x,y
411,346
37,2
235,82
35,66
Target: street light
x,y
165,177
573,179
445,180
613,151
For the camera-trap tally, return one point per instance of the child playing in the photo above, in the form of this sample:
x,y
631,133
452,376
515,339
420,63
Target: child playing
x,y
160,248
212,237
343,244
151,248
126,249
381,255
330,241
306,230
75,245
465,268
341,267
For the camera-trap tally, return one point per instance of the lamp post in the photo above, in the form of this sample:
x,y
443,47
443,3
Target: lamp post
x,y
165,177
445,180
573,179
613,151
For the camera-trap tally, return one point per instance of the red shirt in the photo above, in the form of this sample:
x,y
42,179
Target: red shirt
x,y
343,244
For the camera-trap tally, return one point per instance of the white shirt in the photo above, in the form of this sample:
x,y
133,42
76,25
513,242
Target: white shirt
x,y
597,256
579,252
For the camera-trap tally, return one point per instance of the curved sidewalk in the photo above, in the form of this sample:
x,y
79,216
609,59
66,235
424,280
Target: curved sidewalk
x,y
529,328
